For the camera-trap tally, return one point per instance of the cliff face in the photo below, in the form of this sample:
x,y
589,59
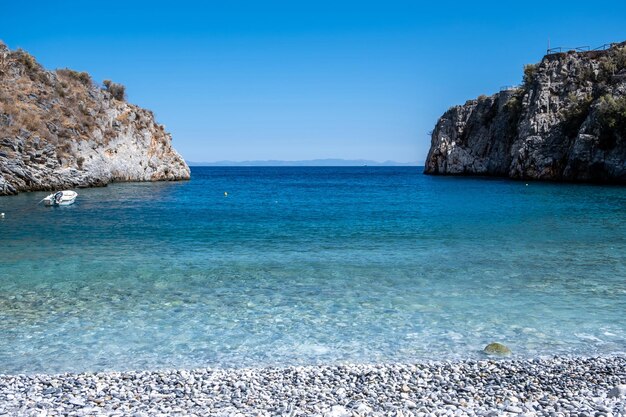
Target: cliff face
x,y
59,130
567,122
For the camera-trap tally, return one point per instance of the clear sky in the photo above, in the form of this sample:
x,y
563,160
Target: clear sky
x,y
293,80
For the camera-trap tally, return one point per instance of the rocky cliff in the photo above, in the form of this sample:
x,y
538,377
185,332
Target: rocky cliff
x,y
566,122
60,130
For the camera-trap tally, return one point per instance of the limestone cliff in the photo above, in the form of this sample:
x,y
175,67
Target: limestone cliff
x,y
566,122
59,130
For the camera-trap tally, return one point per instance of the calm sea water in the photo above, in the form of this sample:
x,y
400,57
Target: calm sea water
x,y
310,265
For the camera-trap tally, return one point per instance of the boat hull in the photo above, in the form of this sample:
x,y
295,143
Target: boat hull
x,y
61,198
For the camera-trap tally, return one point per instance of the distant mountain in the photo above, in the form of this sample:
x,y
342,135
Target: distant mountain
x,y
307,163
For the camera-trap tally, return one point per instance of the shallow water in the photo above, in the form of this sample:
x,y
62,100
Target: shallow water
x,y
310,265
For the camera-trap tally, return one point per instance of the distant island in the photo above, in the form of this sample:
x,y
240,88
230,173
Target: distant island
x,y
59,129
304,163
566,122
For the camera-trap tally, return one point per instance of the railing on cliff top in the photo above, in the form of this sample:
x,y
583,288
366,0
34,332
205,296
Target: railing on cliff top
x,y
561,49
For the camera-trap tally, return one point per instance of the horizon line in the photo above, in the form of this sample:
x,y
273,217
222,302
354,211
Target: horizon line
x,y
305,162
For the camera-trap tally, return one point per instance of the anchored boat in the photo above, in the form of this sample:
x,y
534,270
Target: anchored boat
x,y
61,198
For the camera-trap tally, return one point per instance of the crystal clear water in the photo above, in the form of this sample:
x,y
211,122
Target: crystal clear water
x,y
310,265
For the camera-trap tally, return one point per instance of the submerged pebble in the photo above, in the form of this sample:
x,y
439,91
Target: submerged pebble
x,y
538,387
497,349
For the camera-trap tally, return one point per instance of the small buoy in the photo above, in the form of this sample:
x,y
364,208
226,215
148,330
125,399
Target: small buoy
x,y
1,215
526,185
225,194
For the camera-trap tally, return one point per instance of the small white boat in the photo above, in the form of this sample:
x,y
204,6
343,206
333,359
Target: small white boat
x,y
61,198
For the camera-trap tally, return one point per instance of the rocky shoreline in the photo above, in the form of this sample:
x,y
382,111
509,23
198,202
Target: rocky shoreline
x,y
559,386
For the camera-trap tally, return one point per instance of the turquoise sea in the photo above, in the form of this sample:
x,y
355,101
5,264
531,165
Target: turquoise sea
x,y
307,266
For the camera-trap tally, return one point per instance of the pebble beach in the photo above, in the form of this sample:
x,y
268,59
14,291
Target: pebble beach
x,y
559,386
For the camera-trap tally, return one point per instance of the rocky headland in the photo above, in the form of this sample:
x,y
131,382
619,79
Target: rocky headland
x,y
58,129
566,122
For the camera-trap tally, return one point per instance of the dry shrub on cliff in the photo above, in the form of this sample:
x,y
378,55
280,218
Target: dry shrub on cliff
x,y
8,107
48,136
59,88
117,91
64,148
25,59
5,97
81,77
85,122
23,116
31,122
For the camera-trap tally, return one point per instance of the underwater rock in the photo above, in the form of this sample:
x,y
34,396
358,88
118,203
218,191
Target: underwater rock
x,y
496,348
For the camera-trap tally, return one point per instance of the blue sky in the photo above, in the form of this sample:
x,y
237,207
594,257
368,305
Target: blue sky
x,y
292,80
